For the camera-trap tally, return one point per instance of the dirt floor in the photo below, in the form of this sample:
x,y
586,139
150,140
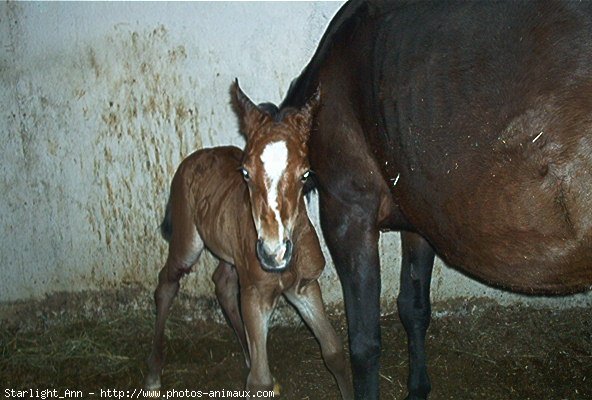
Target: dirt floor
x,y
478,351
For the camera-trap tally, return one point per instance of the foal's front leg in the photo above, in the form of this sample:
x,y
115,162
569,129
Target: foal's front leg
x,y
309,303
257,306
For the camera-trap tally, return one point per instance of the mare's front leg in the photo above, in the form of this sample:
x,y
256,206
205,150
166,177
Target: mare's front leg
x,y
309,302
257,305
415,310
227,290
349,227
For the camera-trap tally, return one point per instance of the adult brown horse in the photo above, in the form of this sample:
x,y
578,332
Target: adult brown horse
x,y
468,127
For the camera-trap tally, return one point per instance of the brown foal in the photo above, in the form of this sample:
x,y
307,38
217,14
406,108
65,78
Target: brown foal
x,y
260,231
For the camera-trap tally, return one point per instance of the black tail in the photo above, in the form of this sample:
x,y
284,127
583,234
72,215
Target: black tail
x,y
303,87
310,186
166,227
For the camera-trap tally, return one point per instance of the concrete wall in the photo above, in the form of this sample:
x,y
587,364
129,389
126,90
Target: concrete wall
x,y
99,103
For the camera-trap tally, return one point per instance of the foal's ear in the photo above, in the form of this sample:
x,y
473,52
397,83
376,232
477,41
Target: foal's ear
x,y
303,118
250,118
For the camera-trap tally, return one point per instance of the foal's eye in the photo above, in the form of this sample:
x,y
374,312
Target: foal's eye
x,y
245,174
305,176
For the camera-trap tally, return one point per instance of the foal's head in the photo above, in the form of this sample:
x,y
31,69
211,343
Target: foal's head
x,y
275,167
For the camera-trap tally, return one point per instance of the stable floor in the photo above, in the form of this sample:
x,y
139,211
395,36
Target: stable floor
x,y
479,351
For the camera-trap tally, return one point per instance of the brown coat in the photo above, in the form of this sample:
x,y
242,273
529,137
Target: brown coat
x,y
211,182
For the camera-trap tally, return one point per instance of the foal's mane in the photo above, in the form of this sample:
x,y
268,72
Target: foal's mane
x,y
270,109
274,112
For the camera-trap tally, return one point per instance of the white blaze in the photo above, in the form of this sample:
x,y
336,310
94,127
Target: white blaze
x,y
275,161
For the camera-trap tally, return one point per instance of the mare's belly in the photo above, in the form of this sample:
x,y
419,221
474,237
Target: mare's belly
x,y
524,225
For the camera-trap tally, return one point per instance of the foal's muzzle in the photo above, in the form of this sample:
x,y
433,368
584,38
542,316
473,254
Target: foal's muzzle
x,y
274,260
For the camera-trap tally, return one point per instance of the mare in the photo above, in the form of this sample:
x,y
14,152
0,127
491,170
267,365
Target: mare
x,y
465,125
259,230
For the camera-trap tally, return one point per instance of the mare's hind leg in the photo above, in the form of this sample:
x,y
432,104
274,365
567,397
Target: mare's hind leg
x,y
227,290
309,303
184,250
414,309
353,242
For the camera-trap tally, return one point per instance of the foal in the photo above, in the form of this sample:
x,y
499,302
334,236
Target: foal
x,y
260,231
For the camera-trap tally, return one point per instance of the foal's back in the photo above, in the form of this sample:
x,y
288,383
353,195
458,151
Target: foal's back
x,y
208,188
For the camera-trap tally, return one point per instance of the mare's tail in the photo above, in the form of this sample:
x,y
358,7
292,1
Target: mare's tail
x,y
166,227
310,186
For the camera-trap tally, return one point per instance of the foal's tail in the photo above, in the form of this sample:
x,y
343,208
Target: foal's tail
x,y
166,227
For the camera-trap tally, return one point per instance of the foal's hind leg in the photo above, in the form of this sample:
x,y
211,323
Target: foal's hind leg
x,y
227,290
184,250
309,303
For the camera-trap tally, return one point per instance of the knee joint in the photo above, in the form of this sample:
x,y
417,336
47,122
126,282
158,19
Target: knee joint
x,y
364,350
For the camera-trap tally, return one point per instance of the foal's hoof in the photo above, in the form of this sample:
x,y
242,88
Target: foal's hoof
x,y
153,394
152,387
277,388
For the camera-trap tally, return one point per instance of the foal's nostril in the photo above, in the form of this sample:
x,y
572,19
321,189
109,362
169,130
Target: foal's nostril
x,y
288,253
276,259
260,249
